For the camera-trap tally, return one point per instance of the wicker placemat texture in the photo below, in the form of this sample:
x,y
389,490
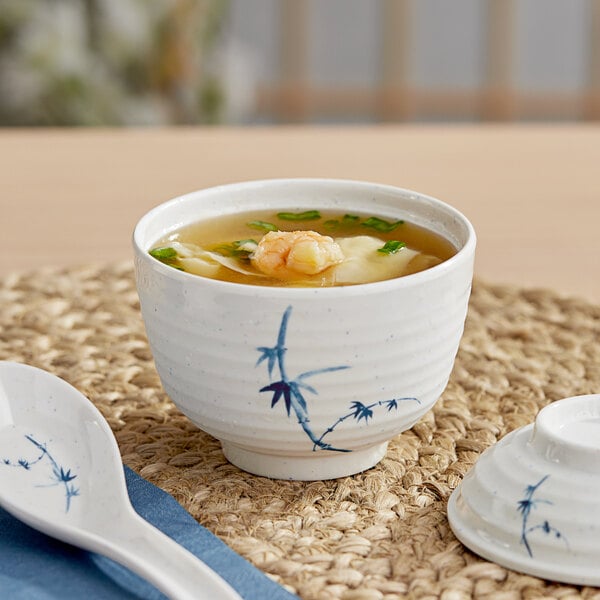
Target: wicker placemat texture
x,y
382,534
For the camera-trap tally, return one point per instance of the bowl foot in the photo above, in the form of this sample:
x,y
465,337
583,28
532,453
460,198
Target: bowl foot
x,y
311,467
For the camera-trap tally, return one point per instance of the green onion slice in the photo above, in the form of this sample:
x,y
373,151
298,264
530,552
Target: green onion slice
x,y
391,247
262,225
241,248
307,215
167,256
381,225
163,253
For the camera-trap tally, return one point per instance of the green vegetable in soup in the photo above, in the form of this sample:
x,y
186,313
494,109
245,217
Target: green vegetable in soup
x,y
262,225
381,224
239,248
391,247
166,255
307,215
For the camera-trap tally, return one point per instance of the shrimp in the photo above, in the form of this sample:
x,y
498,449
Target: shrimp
x,y
291,254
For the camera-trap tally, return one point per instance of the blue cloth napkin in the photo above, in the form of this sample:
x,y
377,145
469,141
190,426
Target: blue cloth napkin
x,y
34,566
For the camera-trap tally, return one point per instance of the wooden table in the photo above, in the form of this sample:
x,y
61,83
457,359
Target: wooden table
x,y
532,191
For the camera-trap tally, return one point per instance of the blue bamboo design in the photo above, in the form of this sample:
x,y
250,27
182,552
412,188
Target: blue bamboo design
x,y
365,411
525,507
291,390
59,476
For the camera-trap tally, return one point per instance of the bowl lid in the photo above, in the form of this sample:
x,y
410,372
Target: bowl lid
x,y
530,503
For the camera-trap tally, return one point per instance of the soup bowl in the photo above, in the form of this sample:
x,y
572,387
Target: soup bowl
x,y
302,382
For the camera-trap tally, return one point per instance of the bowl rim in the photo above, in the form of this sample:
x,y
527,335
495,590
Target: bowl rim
x,y
464,254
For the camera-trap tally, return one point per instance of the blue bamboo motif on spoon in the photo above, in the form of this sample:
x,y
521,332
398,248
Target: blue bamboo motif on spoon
x,y
291,390
59,476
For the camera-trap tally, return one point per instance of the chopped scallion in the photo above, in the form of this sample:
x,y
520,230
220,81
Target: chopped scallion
x,y
165,252
241,248
381,224
307,215
167,256
262,225
391,247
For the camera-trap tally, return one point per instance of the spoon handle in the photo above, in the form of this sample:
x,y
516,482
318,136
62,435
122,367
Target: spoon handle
x,y
156,557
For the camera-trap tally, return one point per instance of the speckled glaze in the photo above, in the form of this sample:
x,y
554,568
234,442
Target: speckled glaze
x,y
530,503
304,383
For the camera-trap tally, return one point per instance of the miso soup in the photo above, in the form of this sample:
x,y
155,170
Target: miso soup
x,y
308,248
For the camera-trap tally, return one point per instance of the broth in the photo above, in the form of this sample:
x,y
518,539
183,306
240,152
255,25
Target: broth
x,y
242,248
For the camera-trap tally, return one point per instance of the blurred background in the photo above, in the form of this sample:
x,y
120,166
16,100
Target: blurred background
x,y
165,62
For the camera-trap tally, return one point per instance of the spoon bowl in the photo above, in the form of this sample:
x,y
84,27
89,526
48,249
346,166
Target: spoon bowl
x,y
61,473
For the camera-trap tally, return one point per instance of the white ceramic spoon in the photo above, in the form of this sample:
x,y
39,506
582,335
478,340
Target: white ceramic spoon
x,y
61,473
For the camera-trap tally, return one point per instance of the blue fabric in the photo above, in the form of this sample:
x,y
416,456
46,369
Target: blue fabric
x,y
34,566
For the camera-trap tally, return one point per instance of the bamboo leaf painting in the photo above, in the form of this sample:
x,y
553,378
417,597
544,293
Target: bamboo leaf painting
x,y
59,476
526,506
291,391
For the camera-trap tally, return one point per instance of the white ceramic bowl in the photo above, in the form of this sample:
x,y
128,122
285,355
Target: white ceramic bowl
x,y
531,502
304,383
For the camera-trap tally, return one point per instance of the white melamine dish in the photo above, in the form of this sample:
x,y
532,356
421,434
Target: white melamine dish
x,y
530,503
304,383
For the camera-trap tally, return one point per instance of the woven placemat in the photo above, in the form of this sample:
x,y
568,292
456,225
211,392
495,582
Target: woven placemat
x,y
382,534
